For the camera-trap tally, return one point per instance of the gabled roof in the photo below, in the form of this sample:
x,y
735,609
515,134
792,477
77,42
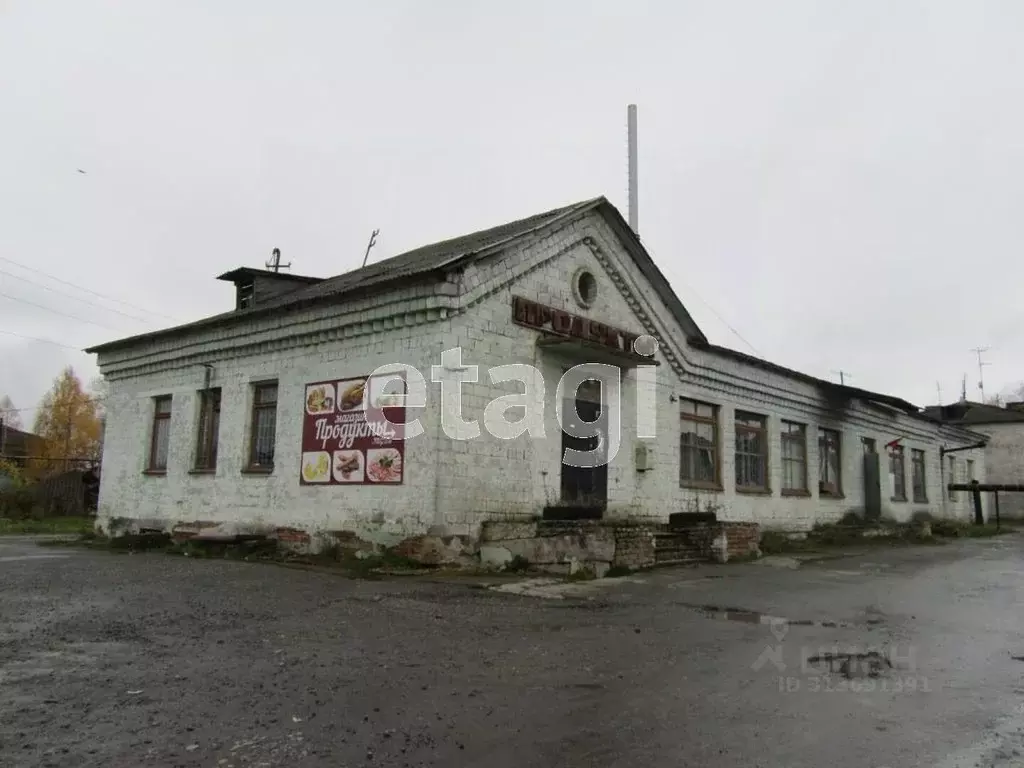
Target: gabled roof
x,y
432,261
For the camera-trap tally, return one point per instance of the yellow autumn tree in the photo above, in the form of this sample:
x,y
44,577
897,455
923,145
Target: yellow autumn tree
x,y
68,420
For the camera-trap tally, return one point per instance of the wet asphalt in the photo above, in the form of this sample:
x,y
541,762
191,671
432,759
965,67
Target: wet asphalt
x,y
155,660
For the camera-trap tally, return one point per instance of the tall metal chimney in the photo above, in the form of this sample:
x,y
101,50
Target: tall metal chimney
x,y
634,213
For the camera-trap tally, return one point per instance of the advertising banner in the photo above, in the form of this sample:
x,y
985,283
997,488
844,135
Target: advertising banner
x,y
352,432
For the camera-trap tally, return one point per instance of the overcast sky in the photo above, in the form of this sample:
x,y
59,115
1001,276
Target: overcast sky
x,y
829,185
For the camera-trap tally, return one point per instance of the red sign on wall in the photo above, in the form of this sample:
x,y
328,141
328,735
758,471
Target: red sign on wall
x,y
353,433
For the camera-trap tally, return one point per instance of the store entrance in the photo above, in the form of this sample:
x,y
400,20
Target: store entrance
x,y
584,489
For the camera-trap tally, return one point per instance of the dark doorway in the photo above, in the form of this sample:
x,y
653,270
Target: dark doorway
x,y
584,486
872,481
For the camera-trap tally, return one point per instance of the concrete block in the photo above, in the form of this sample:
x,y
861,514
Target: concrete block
x,y
495,556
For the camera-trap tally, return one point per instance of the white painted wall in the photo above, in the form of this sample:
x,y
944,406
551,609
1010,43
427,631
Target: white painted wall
x,y
1004,462
461,483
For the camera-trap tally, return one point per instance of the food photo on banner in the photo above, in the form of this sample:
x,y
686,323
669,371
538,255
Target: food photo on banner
x,y
352,431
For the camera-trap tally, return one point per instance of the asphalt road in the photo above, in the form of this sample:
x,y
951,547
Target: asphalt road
x,y
153,660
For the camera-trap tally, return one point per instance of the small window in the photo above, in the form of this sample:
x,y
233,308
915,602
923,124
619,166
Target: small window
x,y
246,295
794,457
868,443
952,477
585,287
160,439
898,470
209,430
917,476
264,427
751,452
829,474
698,445
970,470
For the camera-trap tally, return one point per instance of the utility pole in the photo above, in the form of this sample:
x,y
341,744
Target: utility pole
x,y
275,265
369,245
842,377
981,370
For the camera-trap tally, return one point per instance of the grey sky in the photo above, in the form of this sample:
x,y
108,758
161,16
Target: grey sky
x,y
839,181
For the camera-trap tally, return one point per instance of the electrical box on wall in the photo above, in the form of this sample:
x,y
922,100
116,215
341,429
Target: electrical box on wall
x,y
643,457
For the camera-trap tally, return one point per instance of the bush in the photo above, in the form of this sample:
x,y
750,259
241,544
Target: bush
x,y
950,529
851,518
517,564
16,503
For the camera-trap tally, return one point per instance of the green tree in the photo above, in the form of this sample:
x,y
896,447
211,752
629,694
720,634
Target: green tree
x,y
68,420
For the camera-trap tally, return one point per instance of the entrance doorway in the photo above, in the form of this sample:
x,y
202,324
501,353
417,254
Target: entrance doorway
x,y
585,489
872,480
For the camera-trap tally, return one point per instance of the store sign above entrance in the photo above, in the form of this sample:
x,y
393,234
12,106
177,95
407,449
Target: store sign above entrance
x,y
543,318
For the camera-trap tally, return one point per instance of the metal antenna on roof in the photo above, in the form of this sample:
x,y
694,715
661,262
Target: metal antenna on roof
x,y
981,372
634,212
275,265
369,245
842,377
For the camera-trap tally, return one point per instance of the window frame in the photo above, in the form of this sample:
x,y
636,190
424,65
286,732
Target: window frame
x,y
918,458
790,437
207,441
832,490
715,484
762,432
159,416
897,454
251,465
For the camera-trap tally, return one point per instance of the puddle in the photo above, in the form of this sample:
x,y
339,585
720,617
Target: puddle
x,y
724,613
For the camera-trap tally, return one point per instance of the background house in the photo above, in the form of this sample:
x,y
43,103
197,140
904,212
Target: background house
x,y
1004,453
17,447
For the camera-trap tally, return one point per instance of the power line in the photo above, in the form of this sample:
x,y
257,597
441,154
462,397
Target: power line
x,y
57,312
87,290
74,298
36,338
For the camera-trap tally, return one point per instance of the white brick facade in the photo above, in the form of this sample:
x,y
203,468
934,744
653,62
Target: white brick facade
x,y
459,484
1004,462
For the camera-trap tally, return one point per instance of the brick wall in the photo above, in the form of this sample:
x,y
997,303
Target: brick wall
x,y
461,483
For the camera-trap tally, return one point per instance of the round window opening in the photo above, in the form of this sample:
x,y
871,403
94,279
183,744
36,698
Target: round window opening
x,y
586,288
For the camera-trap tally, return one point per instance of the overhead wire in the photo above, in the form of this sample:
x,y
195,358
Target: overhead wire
x,y
88,290
76,298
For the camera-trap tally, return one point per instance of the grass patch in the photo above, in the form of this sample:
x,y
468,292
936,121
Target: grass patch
x,y
59,525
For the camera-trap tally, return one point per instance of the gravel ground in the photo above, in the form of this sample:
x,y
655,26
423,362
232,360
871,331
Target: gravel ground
x,y
153,660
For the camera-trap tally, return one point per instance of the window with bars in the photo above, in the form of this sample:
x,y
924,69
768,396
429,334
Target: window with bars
x,y
264,427
917,476
751,452
794,457
829,466
160,438
209,430
898,470
698,445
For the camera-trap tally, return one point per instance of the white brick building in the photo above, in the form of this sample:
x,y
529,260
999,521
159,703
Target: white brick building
x,y
1004,451
167,463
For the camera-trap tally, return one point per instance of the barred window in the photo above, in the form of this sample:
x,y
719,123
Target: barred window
x,y
829,466
917,476
161,435
209,429
898,470
264,427
698,445
794,456
751,452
